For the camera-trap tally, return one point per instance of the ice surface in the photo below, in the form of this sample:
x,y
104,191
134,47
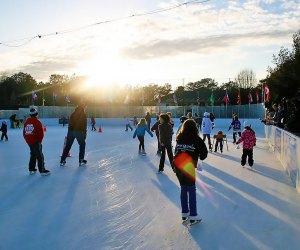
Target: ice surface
x,y
118,201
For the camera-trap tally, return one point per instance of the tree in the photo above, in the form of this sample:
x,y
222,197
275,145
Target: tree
x,y
246,79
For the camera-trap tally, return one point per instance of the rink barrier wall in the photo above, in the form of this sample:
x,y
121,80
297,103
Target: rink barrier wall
x,y
113,111
286,148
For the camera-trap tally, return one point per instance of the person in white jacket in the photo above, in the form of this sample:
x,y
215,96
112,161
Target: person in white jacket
x,y
206,128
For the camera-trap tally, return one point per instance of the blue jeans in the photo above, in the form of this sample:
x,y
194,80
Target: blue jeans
x,y
188,200
80,137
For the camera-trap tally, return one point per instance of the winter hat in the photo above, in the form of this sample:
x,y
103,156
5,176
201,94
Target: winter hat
x,y
4,122
206,114
183,118
247,124
33,112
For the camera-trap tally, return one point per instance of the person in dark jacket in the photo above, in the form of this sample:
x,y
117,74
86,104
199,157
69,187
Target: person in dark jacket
x,y
189,147
236,125
4,131
148,119
93,123
12,120
77,130
33,133
155,128
165,138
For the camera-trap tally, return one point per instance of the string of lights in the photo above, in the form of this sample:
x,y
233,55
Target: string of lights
x,y
25,41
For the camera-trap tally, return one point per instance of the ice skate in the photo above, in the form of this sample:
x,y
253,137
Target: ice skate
x,y
32,172
45,172
63,163
193,222
82,162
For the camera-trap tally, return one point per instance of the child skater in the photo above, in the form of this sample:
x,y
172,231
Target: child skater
x,y
189,147
4,131
155,128
127,123
236,125
249,141
140,131
165,138
219,141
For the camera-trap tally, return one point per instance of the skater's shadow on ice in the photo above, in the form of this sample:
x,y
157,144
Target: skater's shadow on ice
x,y
229,210
228,157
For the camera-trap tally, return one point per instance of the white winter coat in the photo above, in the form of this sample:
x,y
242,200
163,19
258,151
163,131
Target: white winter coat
x,y
206,126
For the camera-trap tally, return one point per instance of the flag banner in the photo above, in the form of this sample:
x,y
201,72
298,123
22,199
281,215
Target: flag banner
x,y
159,101
239,100
257,96
34,95
127,99
250,99
212,99
54,96
267,93
174,98
143,99
226,99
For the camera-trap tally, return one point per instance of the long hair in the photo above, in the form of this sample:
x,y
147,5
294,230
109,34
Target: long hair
x,y
142,122
188,129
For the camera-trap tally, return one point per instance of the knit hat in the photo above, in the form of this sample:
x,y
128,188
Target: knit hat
x,y
33,112
183,118
247,124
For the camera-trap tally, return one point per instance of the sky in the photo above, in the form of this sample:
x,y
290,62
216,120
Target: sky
x,y
215,39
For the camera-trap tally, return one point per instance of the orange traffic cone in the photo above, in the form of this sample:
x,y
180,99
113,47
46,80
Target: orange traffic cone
x,y
100,130
65,143
44,128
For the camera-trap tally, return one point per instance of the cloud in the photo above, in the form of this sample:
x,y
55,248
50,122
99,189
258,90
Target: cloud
x,y
208,45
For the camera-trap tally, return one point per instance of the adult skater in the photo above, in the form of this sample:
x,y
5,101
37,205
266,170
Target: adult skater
x,y
4,131
206,128
249,141
140,131
12,119
148,119
33,134
236,127
155,128
165,138
189,147
93,123
77,129
171,120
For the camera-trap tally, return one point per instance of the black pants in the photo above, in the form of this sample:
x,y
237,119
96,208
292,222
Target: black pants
x,y
208,137
93,127
70,139
163,156
249,153
158,143
4,134
234,136
36,154
142,143
219,142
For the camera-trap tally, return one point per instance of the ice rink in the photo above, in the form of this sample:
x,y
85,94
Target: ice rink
x,y
118,201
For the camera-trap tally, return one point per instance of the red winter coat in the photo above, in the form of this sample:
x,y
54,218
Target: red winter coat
x,y
33,131
248,138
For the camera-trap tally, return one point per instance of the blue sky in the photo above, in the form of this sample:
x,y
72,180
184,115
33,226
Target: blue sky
x,y
216,39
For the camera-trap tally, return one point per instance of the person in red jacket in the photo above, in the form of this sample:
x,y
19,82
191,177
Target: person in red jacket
x,y
249,141
33,134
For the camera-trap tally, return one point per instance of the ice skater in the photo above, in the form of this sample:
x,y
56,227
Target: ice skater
x,y
77,130
4,131
165,138
127,123
182,120
93,123
140,131
249,141
189,147
33,134
236,125
148,119
135,121
206,128
219,141
155,128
